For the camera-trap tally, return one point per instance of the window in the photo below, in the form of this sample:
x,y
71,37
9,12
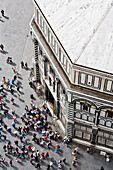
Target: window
x,y
108,87
64,60
82,78
84,117
109,113
52,40
55,46
59,54
89,80
74,76
85,106
77,105
48,35
44,27
92,110
66,64
102,113
62,57
53,43
96,82
38,16
41,21
68,67
77,115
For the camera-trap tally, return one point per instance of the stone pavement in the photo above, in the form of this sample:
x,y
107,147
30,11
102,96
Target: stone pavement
x,y
14,35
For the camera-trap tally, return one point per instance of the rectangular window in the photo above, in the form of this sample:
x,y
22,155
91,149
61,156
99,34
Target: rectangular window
x,y
53,43
38,16
92,110
78,105
44,28
51,40
109,113
96,82
89,80
55,46
59,54
48,35
41,21
64,60
74,76
102,113
83,78
62,57
109,84
66,64
68,67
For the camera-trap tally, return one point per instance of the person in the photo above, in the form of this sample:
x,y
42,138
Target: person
x,y
26,64
14,69
31,31
2,47
16,142
2,12
37,166
47,154
102,168
22,64
48,167
12,100
18,88
10,162
31,96
31,160
18,96
9,59
31,84
64,160
88,150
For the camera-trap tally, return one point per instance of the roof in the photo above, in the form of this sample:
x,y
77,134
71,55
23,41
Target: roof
x,y
84,28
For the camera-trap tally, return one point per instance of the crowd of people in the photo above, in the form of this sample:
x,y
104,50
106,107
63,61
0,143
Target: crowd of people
x,y
33,131
33,119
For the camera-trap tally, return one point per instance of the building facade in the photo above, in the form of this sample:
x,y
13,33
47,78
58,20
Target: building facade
x,y
81,97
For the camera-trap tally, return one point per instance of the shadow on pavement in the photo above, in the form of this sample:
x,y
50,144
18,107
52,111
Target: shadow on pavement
x,y
12,63
6,17
22,100
3,52
2,20
16,105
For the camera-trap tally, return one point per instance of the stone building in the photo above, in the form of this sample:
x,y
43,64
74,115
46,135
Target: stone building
x,y
73,60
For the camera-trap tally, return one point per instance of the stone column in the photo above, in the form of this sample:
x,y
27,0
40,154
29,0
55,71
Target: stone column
x,y
97,112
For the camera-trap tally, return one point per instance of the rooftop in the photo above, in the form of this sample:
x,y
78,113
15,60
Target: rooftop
x,y
84,28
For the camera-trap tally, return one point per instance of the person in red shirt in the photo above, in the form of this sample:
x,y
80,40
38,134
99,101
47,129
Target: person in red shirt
x,y
29,147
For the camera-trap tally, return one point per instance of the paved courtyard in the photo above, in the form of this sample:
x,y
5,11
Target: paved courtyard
x,y
15,36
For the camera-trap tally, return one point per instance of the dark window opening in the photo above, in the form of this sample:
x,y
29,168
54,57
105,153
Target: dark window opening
x,y
63,91
109,113
85,106
49,81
